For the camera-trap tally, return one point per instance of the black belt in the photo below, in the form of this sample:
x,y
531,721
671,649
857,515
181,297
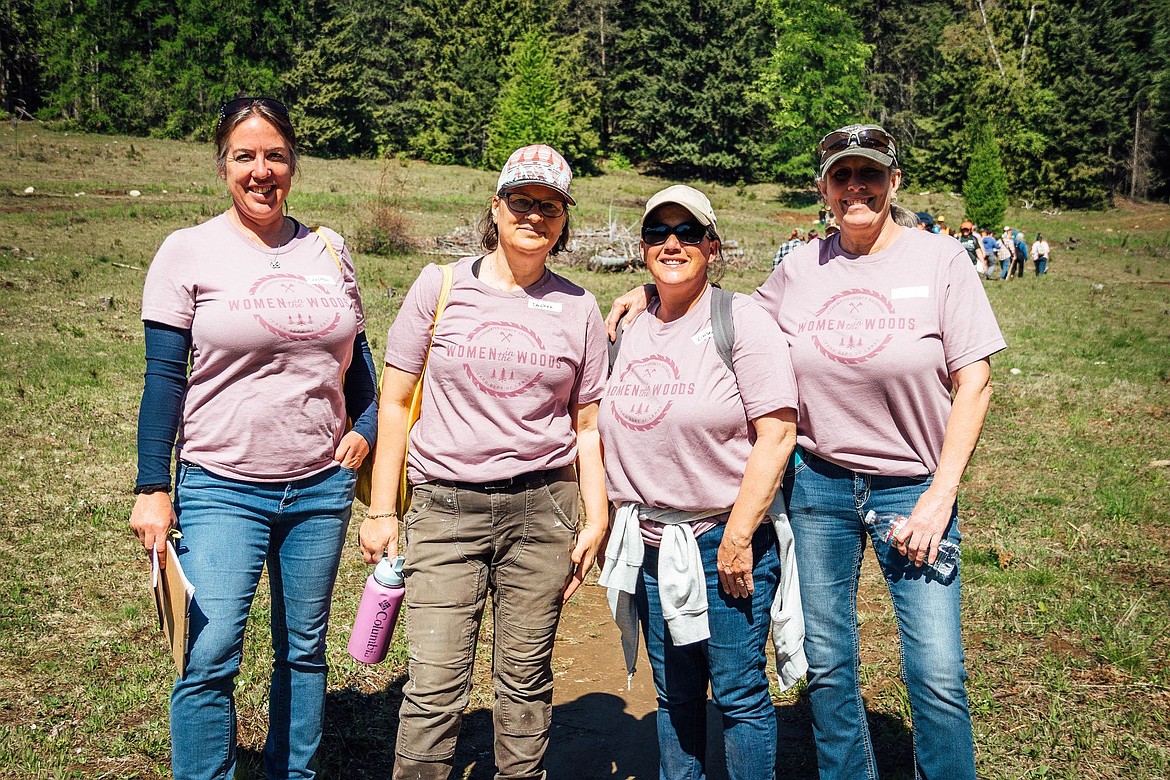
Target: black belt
x,y
519,482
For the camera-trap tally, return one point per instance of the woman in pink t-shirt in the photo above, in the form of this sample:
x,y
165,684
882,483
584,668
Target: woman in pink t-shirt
x,y
891,336
695,449
267,314
515,371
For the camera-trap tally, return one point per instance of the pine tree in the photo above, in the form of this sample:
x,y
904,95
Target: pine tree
x,y
812,83
19,72
985,190
538,105
331,95
681,85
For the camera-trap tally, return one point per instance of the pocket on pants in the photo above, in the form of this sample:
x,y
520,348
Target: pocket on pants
x,y
421,497
564,502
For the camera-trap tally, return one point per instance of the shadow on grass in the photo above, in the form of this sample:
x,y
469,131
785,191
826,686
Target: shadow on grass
x,y
592,737
798,199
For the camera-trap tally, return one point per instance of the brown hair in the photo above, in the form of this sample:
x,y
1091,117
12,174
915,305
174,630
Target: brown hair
x,y
489,233
229,122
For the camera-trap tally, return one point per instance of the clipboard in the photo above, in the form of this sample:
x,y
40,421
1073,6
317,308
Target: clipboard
x,y
173,593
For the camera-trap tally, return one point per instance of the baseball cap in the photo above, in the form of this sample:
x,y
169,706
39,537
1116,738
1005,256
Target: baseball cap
x,y
537,164
690,199
869,141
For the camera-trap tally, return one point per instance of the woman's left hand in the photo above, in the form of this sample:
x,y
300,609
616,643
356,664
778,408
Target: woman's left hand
x,y
352,450
735,563
918,539
584,555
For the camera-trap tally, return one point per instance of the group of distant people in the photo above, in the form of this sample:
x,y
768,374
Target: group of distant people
x,y
1007,255
993,258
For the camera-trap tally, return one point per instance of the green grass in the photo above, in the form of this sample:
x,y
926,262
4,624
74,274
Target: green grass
x,y
1065,520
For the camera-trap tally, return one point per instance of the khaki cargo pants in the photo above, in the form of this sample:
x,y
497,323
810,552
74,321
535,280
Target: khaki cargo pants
x,y
462,542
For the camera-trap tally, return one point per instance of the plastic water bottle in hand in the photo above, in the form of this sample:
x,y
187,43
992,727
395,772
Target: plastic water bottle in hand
x,y
378,612
889,523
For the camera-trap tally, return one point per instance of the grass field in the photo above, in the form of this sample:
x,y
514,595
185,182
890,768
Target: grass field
x,y
1065,519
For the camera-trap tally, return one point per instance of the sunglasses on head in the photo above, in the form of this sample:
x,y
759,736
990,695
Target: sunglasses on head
x,y
242,103
865,137
656,233
522,204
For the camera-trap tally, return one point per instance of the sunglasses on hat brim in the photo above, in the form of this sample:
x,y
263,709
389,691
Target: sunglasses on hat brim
x,y
243,103
866,138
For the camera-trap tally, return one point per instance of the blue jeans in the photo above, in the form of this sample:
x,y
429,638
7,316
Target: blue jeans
x,y
732,661
1007,266
826,504
231,529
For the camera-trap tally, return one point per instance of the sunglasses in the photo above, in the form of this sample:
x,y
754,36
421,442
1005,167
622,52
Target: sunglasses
x,y
522,204
243,103
866,138
686,232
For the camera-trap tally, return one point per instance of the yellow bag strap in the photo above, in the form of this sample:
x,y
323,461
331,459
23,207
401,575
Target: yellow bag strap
x,y
448,271
403,502
320,230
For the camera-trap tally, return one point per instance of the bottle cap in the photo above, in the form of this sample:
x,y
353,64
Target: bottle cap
x,y
388,572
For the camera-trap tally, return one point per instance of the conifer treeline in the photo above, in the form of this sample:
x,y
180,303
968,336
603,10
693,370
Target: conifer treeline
x,y
1076,92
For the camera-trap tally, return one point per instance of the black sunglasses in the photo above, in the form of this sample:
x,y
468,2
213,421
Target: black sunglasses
x,y
242,103
686,232
522,204
865,137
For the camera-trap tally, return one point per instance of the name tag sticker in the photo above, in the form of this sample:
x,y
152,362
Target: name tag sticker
x,y
910,292
704,335
321,279
554,306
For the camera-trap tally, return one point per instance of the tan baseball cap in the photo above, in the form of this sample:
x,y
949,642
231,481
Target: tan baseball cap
x,y
690,199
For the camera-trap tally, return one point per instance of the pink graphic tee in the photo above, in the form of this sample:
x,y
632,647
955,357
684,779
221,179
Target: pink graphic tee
x,y
503,371
874,341
675,420
272,336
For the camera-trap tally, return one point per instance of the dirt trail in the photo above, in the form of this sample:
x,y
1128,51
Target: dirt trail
x,y
600,729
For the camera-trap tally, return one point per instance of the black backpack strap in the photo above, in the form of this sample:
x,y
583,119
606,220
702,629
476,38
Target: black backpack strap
x,y
614,346
722,324
722,329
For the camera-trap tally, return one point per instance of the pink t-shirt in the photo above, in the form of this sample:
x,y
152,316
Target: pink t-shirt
x,y
502,374
272,336
675,421
874,341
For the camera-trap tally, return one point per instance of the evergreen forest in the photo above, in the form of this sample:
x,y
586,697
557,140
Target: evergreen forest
x,y
1074,94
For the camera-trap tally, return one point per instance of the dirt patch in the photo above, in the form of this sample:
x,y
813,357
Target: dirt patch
x,y
600,729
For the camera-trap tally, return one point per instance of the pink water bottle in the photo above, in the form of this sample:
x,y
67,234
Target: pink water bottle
x,y
378,612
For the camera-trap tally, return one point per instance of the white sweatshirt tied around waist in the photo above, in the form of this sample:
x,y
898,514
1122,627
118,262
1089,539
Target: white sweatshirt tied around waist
x,y
682,584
